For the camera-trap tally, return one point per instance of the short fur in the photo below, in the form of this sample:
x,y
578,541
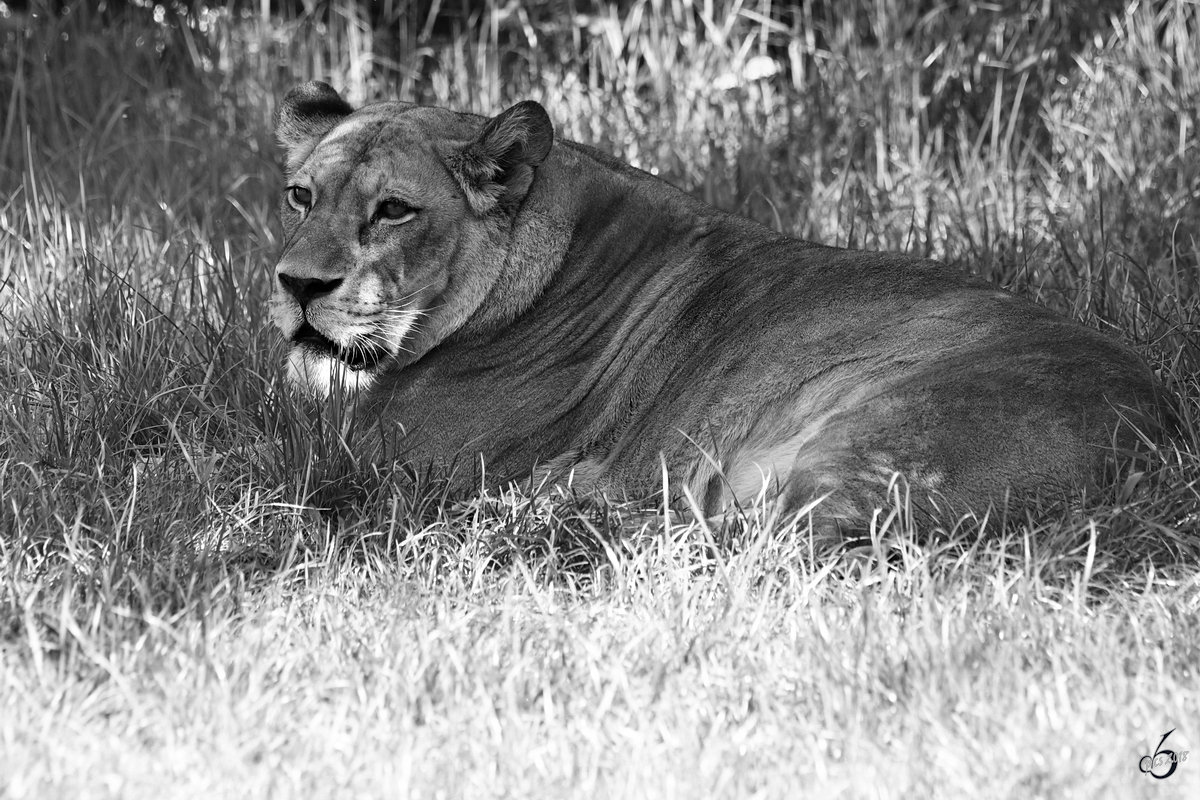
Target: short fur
x,y
551,311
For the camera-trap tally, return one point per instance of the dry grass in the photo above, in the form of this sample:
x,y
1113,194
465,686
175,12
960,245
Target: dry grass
x,y
178,616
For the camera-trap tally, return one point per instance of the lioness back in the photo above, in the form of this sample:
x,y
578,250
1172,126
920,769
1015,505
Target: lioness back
x,y
497,298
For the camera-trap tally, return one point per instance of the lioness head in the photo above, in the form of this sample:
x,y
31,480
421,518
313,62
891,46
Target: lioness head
x,y
395,220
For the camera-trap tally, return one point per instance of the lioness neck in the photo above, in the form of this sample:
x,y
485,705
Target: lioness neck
x,y
585,230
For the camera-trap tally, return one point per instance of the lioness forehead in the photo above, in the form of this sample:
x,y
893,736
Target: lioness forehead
x,y
392,128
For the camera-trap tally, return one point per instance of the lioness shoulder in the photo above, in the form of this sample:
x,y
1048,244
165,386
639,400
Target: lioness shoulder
x,y
495,296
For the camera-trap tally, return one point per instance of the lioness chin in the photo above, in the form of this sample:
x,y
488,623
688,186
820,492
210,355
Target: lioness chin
x,y
494,296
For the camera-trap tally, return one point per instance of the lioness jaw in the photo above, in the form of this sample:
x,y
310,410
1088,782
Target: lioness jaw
x,y
493,296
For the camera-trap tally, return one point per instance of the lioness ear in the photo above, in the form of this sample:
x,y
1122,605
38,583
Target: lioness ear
x,y
497,168
307,113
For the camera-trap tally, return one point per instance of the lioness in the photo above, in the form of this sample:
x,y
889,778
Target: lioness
x,y
495,296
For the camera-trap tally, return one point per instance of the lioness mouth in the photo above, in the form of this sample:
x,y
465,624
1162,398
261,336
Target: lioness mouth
x,y
355,357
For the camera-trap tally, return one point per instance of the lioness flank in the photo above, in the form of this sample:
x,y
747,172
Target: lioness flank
x,y
491,296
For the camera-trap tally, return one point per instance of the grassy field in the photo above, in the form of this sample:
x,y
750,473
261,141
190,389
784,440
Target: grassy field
x,y
201,595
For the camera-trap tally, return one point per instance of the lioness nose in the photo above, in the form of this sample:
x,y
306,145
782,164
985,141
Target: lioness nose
x,y
305,290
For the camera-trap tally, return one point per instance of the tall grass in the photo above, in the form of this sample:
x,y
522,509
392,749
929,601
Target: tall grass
x,y
182,539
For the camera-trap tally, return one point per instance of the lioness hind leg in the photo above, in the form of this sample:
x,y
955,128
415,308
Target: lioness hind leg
x,y
959,451
961,448
855,493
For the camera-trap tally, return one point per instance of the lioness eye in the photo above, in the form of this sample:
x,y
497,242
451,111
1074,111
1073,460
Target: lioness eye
x,y
395,211
299,197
